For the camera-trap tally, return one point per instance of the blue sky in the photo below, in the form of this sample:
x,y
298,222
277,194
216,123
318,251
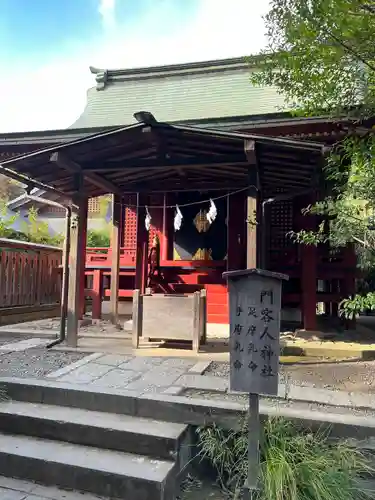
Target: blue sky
x,y
47,46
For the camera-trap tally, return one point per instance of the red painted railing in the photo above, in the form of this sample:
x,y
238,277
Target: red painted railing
x,y
103,256
29,274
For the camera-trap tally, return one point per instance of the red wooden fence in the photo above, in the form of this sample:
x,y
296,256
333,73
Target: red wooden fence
x,y
29,274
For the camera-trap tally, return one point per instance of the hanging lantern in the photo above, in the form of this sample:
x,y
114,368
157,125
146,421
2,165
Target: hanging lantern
x,y
212,213
147,220
177,219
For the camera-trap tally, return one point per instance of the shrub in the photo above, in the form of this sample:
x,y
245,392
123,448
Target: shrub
x,y
98,238
295,465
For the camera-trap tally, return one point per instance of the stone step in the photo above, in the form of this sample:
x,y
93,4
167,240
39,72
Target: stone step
x,y
112,474
367,448
342,422
365,445
368,487
104,430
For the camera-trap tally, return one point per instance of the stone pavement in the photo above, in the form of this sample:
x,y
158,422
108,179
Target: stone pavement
x,y
181,376
17,489
138,374
168,375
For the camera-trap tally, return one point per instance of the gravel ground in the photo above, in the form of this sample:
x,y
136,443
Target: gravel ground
x,y
194,489
99,327
35,362
358,376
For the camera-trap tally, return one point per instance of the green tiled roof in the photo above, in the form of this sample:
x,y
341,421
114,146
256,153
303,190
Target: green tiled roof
x,y
196,91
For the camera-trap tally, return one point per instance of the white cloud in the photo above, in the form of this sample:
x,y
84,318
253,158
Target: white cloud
x,y
107,10
53,96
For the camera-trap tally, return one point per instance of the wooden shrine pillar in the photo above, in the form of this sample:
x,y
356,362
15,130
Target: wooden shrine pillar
x,y
309,271
166,242
117,223
164,233
252,207
308,285
76,264
236,231
142,246
350,269
83,246
167,230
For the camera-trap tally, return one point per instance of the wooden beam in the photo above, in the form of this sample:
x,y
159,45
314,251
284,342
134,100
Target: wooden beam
x,y
185,186
143,175
73,167
173,162
250,153
117,211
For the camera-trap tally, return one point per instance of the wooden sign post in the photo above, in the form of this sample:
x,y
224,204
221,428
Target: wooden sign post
x,y
254,308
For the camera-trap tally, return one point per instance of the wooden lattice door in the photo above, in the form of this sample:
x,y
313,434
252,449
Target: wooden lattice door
x,y
281,247
130,226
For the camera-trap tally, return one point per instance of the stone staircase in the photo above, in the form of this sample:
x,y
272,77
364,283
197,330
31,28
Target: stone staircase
x,y
120,445
108,454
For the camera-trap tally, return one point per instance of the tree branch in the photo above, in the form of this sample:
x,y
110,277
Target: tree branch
x,y
343,44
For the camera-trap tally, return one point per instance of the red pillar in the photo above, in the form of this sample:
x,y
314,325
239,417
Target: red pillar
x,y
97,294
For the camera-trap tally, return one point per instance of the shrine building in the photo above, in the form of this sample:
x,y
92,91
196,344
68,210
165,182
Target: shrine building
x,y
184,139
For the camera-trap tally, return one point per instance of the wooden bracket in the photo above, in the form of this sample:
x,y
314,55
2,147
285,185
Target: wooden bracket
x,y
95,179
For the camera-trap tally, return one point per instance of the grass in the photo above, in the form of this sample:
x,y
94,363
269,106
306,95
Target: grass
x,y
295,464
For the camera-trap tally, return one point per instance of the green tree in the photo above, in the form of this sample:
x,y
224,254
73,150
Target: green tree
x,y
321,57
98,238
6,221
9,188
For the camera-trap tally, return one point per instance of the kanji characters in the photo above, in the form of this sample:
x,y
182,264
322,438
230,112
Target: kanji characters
x,y
267,371
251,348
251,330
267,352
237,347
252,312
266,315
267,334
266,293
253,366
237,365
238,329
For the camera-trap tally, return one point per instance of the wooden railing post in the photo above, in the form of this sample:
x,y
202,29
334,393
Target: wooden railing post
x,y
97,294
203,317
197,321
115,246
137,318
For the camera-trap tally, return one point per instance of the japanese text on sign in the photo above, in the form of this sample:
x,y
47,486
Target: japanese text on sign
x,y
255,327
